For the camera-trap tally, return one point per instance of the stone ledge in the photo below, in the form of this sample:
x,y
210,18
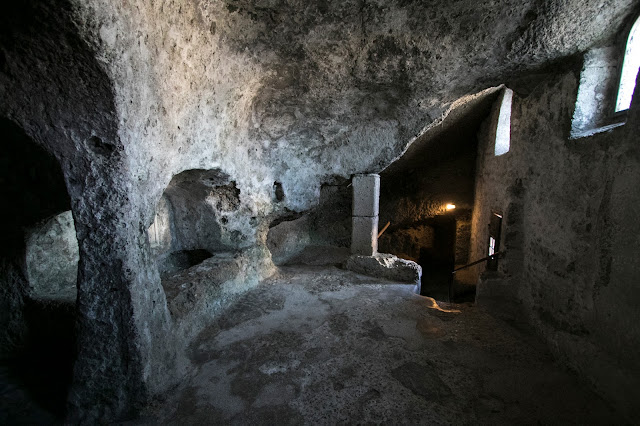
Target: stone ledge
x,y
387,266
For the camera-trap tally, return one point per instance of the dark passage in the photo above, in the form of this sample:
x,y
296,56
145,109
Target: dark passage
x,y
438,259
44,368
428,195
36,360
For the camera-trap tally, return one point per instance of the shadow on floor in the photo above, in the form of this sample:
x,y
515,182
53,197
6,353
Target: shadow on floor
x,y
34,384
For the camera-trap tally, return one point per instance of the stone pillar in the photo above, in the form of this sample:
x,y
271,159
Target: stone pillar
x,y
366,196
126,351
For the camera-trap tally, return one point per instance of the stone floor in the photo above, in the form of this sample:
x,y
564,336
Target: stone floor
x,y
319,345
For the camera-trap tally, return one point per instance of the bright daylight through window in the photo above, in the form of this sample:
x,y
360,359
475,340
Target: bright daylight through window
x,y
629,69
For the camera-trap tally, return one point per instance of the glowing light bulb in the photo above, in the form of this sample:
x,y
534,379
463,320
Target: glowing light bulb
x,y
451,206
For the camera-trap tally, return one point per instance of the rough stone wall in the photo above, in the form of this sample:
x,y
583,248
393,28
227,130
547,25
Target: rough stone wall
x,y
407,242
263,91
462,253
63,100
570,232
332,217
13,287
52,259
497,190
327,226
422,193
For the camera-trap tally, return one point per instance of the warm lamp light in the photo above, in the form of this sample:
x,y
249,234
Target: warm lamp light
x,y
451,206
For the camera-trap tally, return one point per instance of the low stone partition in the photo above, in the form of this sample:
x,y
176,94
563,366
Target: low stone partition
x,y
199,293
387,266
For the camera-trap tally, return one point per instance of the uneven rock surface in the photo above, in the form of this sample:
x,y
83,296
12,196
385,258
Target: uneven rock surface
x,y
52,259
197,294
387,266
267,90
319,345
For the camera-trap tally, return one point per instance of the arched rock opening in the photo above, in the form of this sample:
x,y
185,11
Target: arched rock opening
x,y
203,256
189,223
39,256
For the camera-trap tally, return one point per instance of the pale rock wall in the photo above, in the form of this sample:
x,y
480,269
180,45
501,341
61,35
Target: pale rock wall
x,y
289,238
264,91
161,237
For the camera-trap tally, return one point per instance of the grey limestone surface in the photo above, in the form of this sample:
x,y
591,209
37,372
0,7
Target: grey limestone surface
x,y
387,266
364,235
318,345
52,259
366,195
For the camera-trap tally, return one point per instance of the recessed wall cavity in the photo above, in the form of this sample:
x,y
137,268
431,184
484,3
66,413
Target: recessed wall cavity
x,y
194,219
35,238
38,270
278,191
596,94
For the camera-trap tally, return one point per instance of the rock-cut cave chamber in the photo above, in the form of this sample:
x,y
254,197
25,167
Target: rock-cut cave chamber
x,y
290,212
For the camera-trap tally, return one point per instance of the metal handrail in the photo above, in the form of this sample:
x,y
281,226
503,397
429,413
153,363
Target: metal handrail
x,y
484,259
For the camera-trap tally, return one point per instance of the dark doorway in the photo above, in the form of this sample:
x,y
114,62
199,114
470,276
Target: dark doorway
x,y
438,259
37,363
428,196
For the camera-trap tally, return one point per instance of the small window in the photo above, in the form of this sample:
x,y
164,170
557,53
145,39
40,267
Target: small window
x,y
503,131
495,228
597,92
629,69
492,246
